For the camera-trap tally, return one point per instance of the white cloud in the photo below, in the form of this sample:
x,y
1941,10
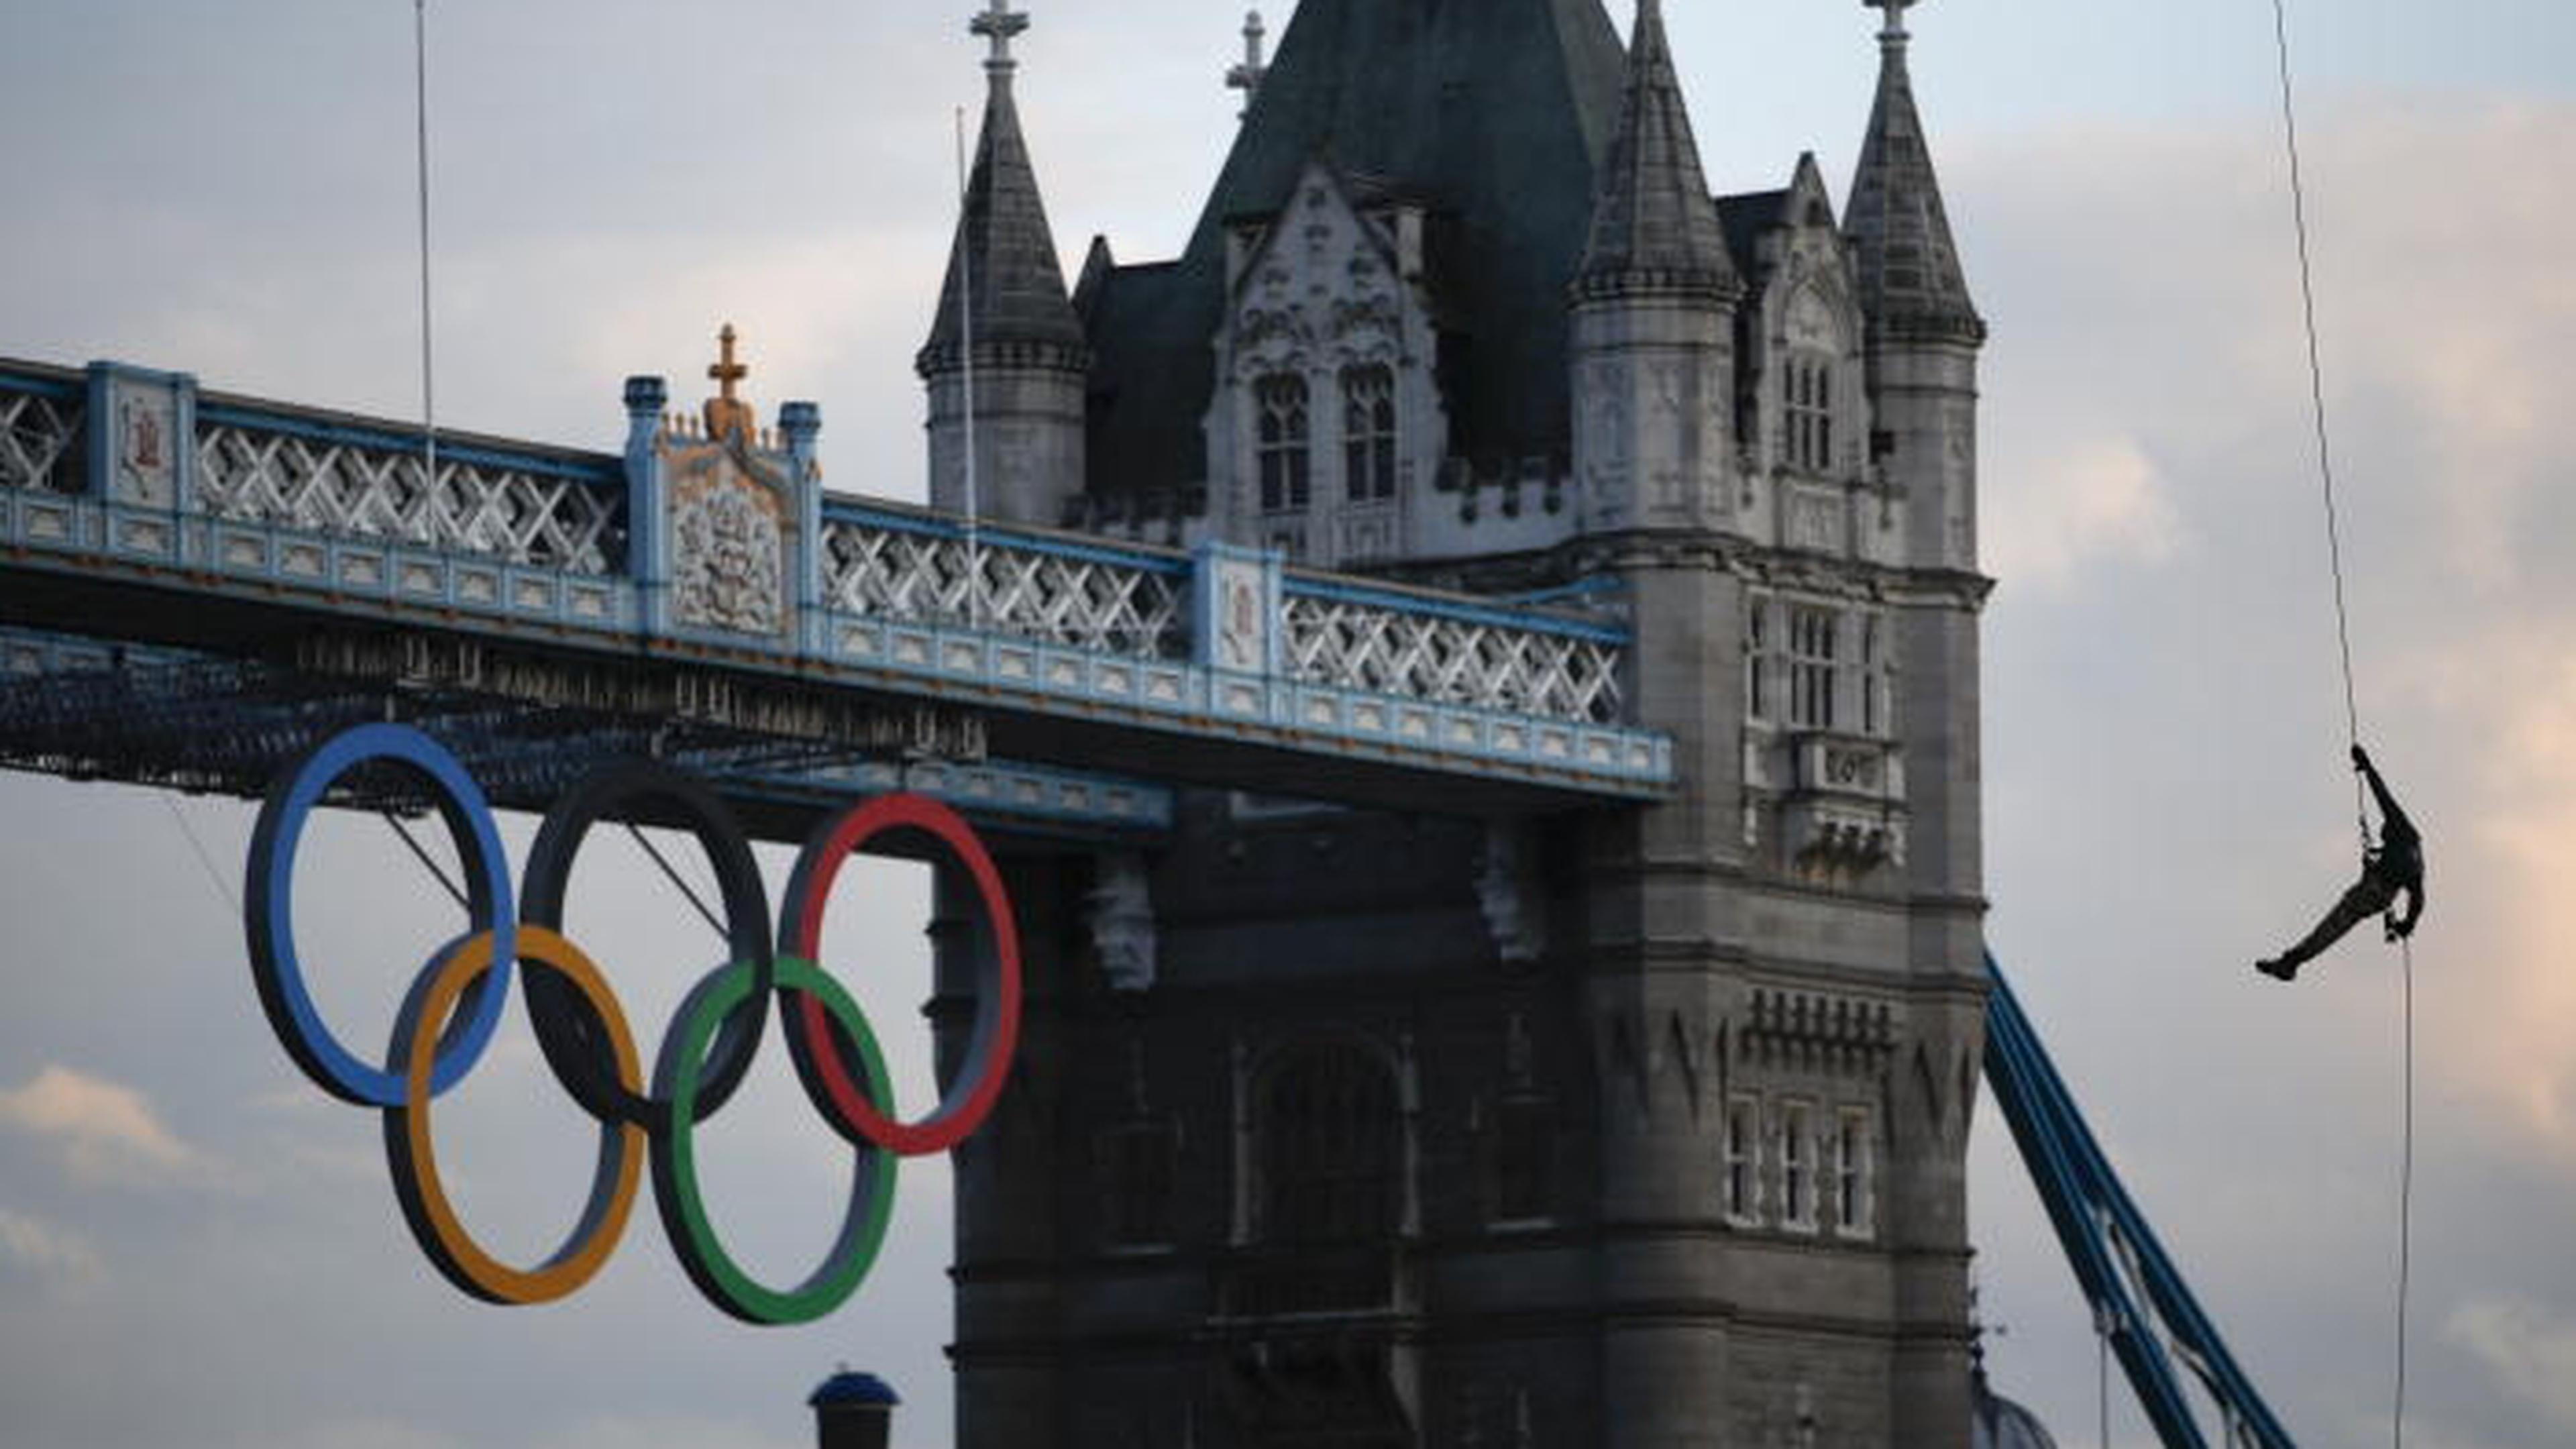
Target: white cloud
x,y
2099,500
2531,1351
107,1132
52,1254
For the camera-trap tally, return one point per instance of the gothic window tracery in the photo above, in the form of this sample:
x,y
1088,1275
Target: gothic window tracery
x,y
1743,1162
1807,411
1797,1166
1368,432
1812,655
1854,1189
1286,466
1330,1148
1757,658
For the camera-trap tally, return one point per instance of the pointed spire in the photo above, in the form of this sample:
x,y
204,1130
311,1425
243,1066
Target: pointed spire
x,y
1910,283
1003,247
1654,228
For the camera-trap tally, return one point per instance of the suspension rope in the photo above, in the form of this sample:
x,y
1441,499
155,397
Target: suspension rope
x,y
966,334
427,861
2351,706
2102,1369
673,876
420,138
197,848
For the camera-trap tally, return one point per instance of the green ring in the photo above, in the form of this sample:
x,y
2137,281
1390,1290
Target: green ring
x,y
675,1169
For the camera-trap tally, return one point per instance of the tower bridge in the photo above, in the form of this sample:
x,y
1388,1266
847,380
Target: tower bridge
x,y
1473,667
192,583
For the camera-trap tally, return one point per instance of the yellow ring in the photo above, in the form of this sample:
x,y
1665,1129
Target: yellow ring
x,y
414,1160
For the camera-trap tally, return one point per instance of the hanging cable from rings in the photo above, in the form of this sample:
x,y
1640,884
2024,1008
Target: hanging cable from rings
x,y
452,1010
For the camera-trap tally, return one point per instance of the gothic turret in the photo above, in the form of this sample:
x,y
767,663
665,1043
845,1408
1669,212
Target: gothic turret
x,y
1654,228
1006,361
1922,336
1910,282
1653,303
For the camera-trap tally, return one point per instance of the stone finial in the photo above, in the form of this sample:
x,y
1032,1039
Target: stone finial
x,y
726,414
1247,76
999,23
1894,33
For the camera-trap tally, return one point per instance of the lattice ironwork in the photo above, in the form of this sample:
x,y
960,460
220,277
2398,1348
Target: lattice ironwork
x,y
1455,658
39,441
360,490
1069,597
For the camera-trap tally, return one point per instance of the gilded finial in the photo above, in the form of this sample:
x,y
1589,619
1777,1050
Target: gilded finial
x,y
727,415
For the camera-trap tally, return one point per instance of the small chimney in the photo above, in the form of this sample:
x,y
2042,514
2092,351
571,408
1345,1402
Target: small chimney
x,y
853,1410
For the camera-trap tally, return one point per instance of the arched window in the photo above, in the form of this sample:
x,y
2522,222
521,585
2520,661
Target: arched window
x,y
1285,468
1368,433
1807,412
1331,1136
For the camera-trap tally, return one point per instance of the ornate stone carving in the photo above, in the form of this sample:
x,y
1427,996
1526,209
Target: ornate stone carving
x,y
1121,914
146,420
1507,890
728,547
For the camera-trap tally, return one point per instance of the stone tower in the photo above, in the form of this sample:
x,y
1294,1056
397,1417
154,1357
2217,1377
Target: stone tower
x,y
1006,359
1629,1127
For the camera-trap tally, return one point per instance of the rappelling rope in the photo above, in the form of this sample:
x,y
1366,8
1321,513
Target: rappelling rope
x,y
420,141
2351,707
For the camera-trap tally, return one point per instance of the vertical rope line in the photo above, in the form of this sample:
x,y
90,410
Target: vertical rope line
x,y
2405,1192
966,334
2102,1372
420,138
2351,708
2317,388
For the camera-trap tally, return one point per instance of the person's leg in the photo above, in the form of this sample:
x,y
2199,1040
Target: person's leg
x,y
2367,898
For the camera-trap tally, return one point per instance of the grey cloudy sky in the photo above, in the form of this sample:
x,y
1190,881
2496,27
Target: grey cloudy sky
x,y
192,1244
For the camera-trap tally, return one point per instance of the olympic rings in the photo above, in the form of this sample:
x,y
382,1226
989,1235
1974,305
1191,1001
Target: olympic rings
x,y
452,1008
268,914
675,1172
997,993
415,1166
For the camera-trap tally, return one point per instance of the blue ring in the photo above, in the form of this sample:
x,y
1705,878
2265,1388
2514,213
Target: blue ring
x,y
269,917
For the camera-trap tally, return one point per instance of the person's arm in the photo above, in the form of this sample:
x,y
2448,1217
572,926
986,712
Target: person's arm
x,y
2388,808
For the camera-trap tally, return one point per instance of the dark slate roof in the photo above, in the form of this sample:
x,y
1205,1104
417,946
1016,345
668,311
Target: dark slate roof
x,y
1495,113
1653,225
1745,216
1003,245
1910,281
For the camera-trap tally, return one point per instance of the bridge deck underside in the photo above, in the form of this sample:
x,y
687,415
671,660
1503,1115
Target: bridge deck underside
x,y
214,692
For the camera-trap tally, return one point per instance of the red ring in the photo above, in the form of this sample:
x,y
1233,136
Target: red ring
x,y
997,1012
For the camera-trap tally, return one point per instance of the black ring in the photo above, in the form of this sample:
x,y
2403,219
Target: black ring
x,y
565,1029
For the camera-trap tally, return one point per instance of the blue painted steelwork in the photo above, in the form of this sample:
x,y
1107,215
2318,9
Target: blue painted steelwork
x,y
1407,601
87,708
2132,1284
877,513
603,471
1499,706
